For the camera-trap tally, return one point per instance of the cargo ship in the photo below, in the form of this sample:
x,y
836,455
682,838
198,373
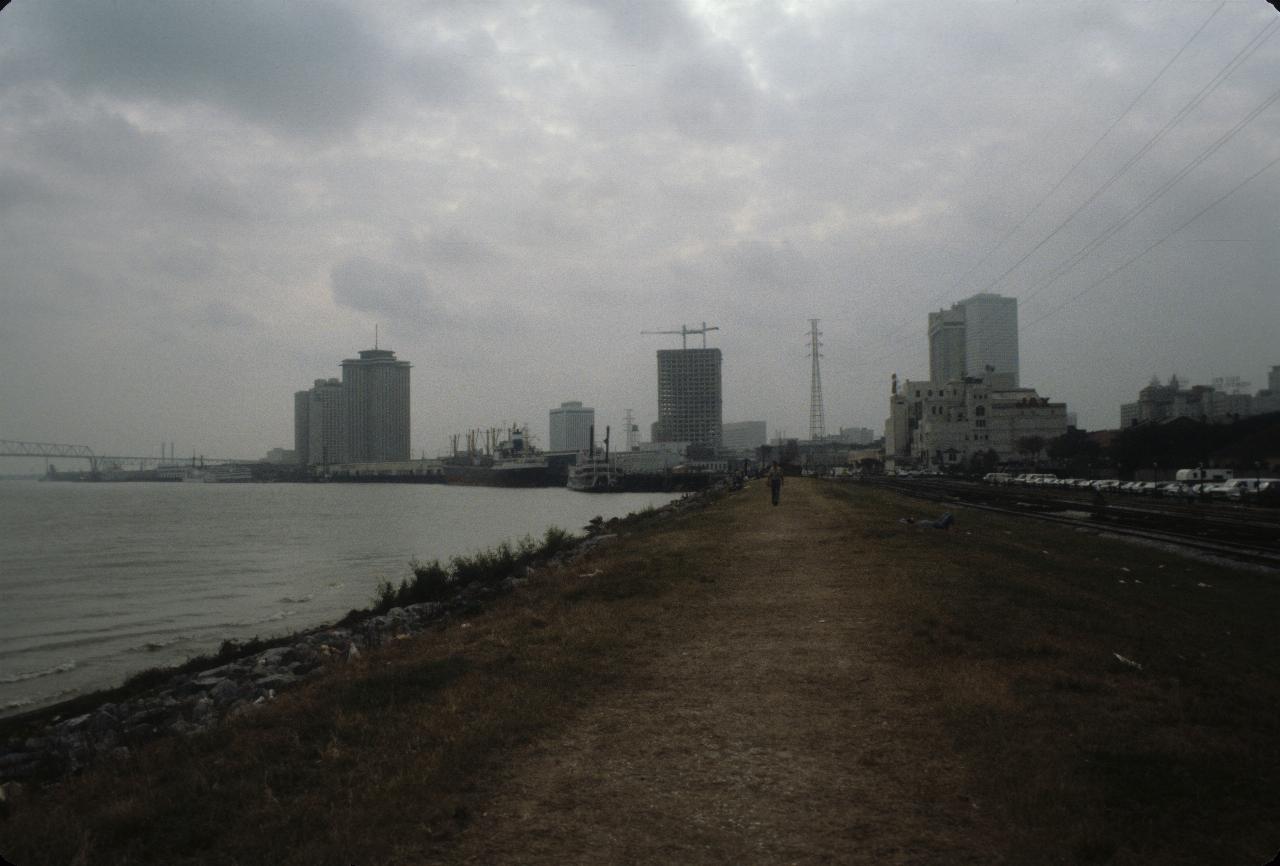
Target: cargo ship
x,y
514,462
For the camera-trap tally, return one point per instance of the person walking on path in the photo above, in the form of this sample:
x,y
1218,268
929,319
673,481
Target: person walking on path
x,y
775,481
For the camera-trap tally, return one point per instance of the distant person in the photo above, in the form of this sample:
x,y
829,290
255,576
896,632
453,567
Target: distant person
x,y
775,481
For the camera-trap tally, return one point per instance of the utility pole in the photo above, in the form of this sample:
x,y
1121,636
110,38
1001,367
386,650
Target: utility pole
x,y
817,426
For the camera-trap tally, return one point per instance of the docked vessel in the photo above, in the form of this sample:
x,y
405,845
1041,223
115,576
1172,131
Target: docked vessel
x,y
593,473
514,462
226,473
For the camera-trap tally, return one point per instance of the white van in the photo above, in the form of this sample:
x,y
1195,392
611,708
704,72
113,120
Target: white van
x,y
1198,476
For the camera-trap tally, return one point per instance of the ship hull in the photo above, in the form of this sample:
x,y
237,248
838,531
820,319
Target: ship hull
x,y
490,476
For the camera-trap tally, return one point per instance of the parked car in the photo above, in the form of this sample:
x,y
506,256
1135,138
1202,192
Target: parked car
x,y
1238,488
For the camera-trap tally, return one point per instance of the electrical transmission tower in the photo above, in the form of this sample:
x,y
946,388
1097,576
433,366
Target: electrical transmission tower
x,y
817,427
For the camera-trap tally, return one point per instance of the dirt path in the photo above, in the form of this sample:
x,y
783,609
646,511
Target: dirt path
x,y
766,723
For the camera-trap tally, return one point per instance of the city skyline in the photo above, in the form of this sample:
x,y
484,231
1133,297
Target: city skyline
x,y
513,194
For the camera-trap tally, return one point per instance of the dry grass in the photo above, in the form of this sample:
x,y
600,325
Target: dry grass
x,y
378,761
1084,758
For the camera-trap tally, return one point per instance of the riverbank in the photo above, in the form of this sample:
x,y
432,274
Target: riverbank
x,y
818,682
56,741
102,580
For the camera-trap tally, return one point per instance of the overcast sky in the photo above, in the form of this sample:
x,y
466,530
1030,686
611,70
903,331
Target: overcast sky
x,y
205,206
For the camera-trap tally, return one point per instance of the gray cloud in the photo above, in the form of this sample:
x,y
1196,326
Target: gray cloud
x,y
523,186
221,315
710,96
298,67
648,26
398,295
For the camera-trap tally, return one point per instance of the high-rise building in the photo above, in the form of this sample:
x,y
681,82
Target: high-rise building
x,y
324,445
744,435
317,423
946,345
301,421
991,339
978,338
689,406
571,426
375,407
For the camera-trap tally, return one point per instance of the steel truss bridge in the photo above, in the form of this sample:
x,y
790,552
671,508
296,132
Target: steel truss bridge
x,y
47,450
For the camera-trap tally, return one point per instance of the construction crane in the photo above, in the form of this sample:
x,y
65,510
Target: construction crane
x,y
685,331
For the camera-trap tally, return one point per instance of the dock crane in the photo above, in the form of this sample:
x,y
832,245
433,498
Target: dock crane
x,y
685,331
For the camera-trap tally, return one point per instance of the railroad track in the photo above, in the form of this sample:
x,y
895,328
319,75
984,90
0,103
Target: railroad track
x,y
1247,537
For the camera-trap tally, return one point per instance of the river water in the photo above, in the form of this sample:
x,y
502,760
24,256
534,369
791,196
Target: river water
x,y
101,580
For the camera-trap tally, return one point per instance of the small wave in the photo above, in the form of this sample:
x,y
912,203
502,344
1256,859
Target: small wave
x,y
19,703
270,617
155,645
302,599
35,675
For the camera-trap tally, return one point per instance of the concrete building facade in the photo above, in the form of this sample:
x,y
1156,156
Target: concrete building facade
x,y
1157,402
946,345
301,425
325,440
375,407
945,424
571,427
743,435
856,435
689,397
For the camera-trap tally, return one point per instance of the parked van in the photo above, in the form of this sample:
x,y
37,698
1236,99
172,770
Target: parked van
x,y
1199,476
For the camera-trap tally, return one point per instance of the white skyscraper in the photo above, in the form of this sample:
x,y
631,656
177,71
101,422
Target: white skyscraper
x,y
375,407
977,337
571,426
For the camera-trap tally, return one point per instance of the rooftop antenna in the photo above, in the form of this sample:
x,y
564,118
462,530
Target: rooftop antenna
x,y
817,427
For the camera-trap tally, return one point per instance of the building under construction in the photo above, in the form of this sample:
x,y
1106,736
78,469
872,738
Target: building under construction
x,y
689,405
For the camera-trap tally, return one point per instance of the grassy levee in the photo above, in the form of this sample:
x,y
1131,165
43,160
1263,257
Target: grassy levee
x,y
380,760
991,645
1079,756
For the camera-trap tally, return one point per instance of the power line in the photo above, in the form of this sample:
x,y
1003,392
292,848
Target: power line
x,y
1089,151
1204,92
1151,199
1071,261
1113,272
